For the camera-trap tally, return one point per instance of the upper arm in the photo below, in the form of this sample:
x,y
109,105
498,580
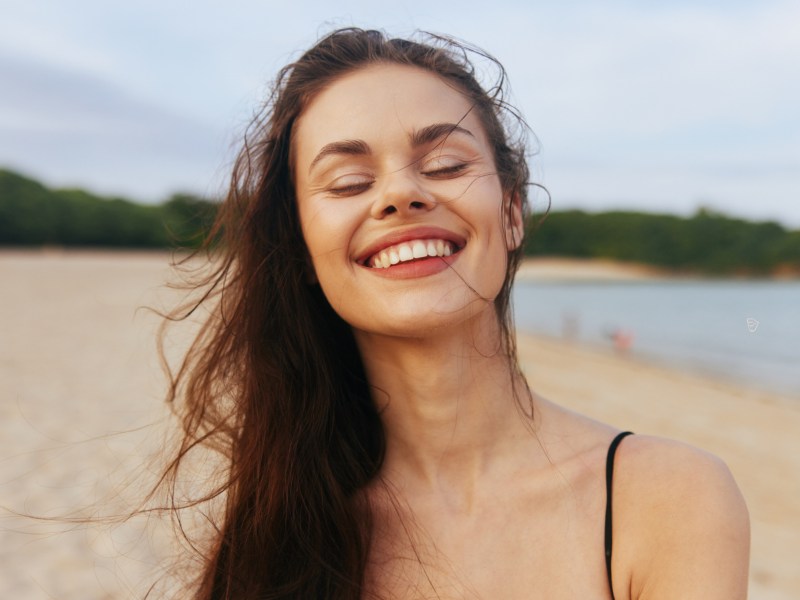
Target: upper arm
x,y
689,535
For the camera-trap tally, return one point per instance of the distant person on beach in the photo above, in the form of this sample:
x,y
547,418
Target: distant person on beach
x,y
357,369
622,339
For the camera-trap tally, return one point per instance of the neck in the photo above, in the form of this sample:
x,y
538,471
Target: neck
x,y
448,405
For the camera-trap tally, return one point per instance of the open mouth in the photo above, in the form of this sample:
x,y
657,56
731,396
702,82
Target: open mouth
x,y
413,250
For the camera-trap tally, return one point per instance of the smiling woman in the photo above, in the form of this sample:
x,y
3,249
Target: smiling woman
x,y
395,183
358,371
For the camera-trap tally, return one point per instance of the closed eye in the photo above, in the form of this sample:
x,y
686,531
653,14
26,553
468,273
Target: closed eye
x,y
349,186
350,190
445,171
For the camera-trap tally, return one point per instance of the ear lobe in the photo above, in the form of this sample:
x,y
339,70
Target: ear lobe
x,y
515,224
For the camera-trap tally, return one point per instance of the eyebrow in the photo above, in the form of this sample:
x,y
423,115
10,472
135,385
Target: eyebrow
x,y
431,133
348,147
420,137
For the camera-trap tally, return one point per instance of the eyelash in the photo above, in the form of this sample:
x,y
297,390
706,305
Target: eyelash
x,y
444,171
356,188
350,190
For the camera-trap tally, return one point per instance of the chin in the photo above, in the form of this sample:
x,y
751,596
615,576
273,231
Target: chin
x,y
414,324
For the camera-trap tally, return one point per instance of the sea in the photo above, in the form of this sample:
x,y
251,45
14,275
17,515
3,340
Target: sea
x,y
744,331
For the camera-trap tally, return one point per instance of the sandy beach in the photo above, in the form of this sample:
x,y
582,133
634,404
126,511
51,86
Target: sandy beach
x,y
580,269
82,414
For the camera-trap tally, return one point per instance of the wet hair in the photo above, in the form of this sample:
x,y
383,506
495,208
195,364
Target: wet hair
x,y
274,381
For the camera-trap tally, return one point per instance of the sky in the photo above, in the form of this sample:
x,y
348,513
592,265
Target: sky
x,y
656,106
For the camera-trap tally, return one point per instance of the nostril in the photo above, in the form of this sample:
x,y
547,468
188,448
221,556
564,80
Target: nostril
x,y
389,210
417,204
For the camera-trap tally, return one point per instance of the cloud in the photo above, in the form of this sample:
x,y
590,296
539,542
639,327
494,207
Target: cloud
x,y
76,127
632,100
663,106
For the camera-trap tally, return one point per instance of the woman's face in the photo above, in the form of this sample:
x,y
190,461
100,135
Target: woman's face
x,y
400,203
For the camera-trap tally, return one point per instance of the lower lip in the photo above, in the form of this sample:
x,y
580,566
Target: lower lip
x,y
418,268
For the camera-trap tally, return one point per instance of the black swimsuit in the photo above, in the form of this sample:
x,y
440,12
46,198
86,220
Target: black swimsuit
x,y
612,450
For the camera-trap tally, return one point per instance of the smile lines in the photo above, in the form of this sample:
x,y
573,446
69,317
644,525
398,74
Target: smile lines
x,y
412,250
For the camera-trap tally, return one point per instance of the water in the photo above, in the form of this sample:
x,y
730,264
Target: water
x,y
744,331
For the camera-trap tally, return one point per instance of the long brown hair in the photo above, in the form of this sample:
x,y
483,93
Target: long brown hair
x,y
274,380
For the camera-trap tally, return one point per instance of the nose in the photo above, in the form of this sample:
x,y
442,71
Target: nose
x,y
401,193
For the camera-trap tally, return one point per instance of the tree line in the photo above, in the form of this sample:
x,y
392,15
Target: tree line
x,y
707,242
34,215
711,243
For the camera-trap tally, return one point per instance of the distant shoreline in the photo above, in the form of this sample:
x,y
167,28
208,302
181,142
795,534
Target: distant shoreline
x,y
587,269
562,268
550,268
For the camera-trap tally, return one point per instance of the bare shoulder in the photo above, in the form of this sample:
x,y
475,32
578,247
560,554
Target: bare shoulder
x,y
673,467
681,524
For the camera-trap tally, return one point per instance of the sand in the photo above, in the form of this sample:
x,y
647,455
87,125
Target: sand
x,y
78,367
578,269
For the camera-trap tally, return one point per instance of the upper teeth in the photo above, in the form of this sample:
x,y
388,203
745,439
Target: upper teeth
x,y
410,251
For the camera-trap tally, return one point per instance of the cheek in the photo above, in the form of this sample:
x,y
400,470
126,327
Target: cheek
x,y
486,211
327,235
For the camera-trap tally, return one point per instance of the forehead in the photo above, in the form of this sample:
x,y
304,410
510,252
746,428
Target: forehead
x,y
376,101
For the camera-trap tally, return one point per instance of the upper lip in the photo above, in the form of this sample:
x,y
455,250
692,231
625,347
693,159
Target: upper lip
x,y
406,235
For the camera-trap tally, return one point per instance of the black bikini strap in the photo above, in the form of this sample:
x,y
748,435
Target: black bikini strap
x,y
612,450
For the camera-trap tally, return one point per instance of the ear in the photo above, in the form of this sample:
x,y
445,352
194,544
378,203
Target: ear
x,y
514,223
